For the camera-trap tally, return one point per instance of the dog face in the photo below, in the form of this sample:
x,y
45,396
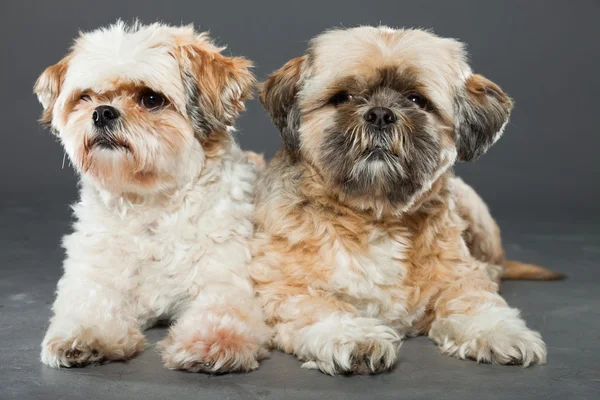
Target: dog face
x,y
382,113
139,109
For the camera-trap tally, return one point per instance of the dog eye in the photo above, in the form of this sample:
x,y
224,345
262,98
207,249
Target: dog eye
x,y
85,97
419,100
340,98
152,100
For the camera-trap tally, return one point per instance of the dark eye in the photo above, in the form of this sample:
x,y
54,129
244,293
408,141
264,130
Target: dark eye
x,y
152,100
340,98
85,97
419,100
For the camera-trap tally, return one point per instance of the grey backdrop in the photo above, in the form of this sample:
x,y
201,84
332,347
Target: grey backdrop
x,y
544,54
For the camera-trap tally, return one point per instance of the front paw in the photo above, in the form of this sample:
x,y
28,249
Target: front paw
x,y
86,346
370,349
499,339
216,348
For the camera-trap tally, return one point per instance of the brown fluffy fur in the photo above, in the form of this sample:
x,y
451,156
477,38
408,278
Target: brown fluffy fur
x,y
482,236
343,274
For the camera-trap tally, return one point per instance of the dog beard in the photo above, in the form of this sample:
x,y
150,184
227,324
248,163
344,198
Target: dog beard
x,y
108,138
138,152
394,161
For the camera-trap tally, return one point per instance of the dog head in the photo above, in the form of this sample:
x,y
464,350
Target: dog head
x,y
140,108
383,113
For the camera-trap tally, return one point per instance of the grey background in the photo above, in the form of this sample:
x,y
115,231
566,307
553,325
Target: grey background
x,y
543,53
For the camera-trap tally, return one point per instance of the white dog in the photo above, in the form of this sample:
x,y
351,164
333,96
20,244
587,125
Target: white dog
x,y
163,223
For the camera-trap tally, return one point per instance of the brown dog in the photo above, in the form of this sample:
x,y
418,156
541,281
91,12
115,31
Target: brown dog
x,y
363,233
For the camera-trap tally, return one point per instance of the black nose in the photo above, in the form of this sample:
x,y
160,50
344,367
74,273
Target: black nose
x,y
104,115
380,116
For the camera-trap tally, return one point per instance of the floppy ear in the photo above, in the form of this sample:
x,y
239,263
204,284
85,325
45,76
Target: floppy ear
x,y
216,85
482,112
48,86
278,96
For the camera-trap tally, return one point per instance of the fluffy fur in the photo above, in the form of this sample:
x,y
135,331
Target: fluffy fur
x,y
360,239
482,236
163,224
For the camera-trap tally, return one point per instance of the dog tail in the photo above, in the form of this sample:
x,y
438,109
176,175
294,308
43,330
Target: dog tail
x,y
523,271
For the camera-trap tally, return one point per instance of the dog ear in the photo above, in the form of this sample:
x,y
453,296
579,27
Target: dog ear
x,y
278,96
482,113
216,86
48,86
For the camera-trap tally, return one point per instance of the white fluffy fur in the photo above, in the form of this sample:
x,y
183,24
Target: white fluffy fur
x,y
130,265
495,334
134,54
339,340
176,252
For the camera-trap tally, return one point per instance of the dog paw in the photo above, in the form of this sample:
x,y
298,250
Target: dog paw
x,y
361,358
508,341
217,350
86,347
374,352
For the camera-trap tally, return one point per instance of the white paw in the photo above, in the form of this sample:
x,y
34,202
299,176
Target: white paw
x,y
219,346
499,337
86,346
349,346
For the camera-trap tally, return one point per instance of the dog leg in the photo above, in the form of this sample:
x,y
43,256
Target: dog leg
x,y
482,236
91,324
473,321
223,330
329,335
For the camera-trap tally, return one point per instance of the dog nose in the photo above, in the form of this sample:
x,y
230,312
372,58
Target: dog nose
x,y
380,116
103,115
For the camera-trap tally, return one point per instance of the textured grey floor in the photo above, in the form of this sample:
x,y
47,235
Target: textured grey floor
x,y
567,313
